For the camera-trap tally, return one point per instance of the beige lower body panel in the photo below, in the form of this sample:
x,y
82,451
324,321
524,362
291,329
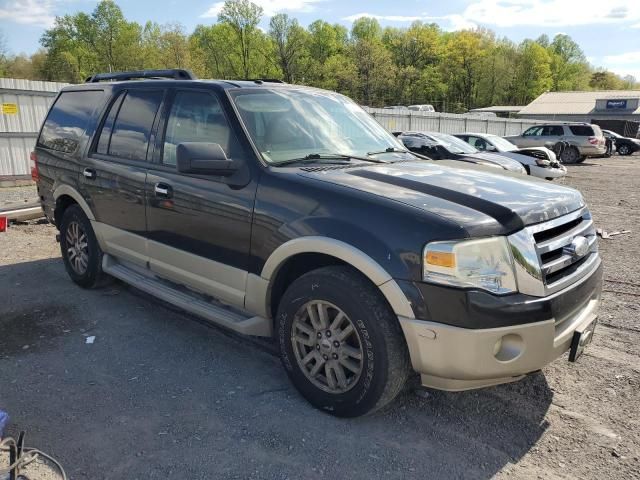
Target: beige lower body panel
x,y
453,358
221,281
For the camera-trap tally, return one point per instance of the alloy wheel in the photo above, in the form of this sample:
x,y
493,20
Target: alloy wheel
x,y
327,347
77,247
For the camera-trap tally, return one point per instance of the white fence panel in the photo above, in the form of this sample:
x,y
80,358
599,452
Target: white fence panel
x,y
406,120
14,155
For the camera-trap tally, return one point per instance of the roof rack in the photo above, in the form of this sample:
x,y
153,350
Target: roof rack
x,y
175,74
266,80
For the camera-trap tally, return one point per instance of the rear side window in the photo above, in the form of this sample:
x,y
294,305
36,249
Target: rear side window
x,y
68,119
553,130
127,128
581,130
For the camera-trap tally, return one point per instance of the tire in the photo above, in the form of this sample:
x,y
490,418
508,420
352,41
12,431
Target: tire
x,y
376,337
624,150
570,155
582,159
77,235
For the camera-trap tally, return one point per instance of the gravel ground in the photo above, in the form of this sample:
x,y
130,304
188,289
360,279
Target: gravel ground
x,y
160,395
17,194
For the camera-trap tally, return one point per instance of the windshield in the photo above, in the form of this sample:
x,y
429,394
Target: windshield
x,y
453,144
288,124
501,144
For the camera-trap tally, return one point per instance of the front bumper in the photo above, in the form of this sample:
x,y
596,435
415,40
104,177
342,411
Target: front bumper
x,y
548,172
450,357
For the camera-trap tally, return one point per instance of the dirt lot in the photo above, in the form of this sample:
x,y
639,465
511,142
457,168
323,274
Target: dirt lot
x,y
160,395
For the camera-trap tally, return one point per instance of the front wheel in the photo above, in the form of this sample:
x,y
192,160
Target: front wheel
x,y
340,342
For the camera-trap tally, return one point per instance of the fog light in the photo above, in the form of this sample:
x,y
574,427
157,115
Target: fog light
x,y
508,348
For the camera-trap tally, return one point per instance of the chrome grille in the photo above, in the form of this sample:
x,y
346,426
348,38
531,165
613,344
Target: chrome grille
x,y
546,253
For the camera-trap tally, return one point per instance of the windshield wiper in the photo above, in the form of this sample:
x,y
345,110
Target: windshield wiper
x,y
314,157
389,150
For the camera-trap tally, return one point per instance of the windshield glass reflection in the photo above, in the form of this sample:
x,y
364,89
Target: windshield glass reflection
x,y
287,124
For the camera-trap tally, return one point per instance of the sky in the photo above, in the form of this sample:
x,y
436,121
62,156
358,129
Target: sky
x,y
607,30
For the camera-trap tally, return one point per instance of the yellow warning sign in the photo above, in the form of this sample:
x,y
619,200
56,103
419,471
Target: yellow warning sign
x,y
9,108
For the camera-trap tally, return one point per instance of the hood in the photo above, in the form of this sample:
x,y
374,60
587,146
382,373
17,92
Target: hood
x,y
500,159
476,199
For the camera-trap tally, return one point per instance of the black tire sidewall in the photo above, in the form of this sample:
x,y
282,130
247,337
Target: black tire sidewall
x,y
365,394
626,150
94,267
575,156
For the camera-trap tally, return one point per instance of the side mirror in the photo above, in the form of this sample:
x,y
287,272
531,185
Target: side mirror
x,y
204,158
491,148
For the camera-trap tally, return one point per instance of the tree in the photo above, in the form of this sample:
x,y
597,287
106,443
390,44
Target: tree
x,y
373,62
290,45
462,66
604,80
569,68
243,17
533,72
366,28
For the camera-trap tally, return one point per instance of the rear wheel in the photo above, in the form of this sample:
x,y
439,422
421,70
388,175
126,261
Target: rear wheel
x,y
340,342
570,155
624,150
80,250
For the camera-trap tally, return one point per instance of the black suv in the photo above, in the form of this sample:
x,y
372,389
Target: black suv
x,y
287,211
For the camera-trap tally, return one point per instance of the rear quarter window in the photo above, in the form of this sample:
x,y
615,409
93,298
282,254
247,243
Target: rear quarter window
x,y
582,130
68,120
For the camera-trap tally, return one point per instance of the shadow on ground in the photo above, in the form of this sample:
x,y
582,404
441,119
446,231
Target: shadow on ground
x,y
159,395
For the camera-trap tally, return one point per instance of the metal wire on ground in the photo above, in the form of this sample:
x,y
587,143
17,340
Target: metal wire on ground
x,y
26,456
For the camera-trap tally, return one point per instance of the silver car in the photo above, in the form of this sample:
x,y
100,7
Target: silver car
x,y
538,161
583,139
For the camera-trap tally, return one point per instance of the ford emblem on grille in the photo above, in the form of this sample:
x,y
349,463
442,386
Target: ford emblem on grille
x,y
578,247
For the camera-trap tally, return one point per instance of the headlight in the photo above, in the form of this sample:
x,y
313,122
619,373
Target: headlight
x,y
484,263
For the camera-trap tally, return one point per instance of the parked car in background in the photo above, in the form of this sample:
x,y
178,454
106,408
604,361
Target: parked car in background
x,y
422,108
396,107
623,145
481,114
584,140
442,146
538,161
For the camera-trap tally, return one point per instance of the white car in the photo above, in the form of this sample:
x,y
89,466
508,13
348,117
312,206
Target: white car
x,y
422,108
538,161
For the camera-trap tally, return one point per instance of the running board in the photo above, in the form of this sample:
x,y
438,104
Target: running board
x,y
191,302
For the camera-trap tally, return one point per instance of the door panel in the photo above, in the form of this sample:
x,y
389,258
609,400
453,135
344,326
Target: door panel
x,y
199,226
114,176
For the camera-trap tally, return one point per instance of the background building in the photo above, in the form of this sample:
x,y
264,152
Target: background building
x,y
617,110
23,106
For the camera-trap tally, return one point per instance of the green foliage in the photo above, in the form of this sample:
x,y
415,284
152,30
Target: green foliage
x,y
454,71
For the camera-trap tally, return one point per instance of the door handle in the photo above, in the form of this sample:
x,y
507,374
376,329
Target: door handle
x,y
89,173
163,190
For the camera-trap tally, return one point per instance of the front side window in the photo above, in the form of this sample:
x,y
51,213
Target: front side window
x,y
287,124
197,117
128,136
478,143
68,119
533,132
